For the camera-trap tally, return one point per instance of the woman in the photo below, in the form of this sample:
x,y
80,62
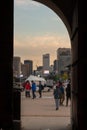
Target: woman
x,y
27,89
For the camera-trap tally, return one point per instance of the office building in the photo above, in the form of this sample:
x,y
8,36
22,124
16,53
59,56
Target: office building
x,y
16,66
64,58
46,63
29,64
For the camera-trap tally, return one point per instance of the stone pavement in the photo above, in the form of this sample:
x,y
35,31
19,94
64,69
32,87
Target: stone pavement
x,y
40,113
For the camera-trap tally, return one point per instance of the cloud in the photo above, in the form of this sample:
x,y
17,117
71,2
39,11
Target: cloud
x,y
46,41
33,47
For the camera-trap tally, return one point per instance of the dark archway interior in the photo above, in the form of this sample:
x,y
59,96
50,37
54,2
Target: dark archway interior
x,y
69,11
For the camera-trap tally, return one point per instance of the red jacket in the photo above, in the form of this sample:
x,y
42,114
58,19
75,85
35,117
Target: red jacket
x,y
27,86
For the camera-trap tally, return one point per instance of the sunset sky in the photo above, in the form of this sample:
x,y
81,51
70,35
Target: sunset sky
x,y
37,31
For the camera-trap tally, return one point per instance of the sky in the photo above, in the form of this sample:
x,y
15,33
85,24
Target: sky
x,y
37,30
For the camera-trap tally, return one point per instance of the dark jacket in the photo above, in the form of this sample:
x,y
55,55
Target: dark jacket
x,y
56,93
68,90
40,87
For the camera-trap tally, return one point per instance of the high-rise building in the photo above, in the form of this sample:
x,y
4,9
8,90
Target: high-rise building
x,y
46,63
64,58
39,71
29,64
24,69
16,66
56,66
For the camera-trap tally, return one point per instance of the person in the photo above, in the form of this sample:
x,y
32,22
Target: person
x,y
33,89
68,93
61,91
40,89
62,94
27,89
56,96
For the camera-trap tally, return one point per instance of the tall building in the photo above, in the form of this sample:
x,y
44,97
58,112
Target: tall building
x,y
56,66
39,70
29,64
46,63
24,69
64,58
16,66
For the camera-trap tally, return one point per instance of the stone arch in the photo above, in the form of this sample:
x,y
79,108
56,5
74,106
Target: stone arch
x,y
68,12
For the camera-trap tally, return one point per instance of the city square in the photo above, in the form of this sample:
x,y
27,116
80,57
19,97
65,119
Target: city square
x,y
40,113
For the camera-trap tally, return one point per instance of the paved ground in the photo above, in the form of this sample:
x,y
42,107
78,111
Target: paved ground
x,y
40,113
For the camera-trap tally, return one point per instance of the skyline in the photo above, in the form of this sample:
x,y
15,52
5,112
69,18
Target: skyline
x,y
37,31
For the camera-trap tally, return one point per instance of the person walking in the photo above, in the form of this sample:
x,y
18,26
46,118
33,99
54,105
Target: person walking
x,y
33,89
40,89
27,89
62,94
68,93
56,96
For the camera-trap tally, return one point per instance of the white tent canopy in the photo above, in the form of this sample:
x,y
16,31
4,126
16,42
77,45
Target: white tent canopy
x,y
35,78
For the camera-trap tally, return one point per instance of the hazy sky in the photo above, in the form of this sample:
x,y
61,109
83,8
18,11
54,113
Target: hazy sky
x,y
37,31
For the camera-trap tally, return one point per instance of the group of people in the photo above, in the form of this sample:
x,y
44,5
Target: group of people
x,y
60,92
32,86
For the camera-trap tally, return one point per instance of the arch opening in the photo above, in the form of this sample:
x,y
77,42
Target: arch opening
x,y
56,12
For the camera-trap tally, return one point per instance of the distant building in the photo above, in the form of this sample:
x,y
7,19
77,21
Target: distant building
x,y
55,66
51,68
46,63
29,64
24,69
16,66
39,70
64,58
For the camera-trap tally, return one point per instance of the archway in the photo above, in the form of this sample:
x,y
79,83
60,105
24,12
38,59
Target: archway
x,y
79,93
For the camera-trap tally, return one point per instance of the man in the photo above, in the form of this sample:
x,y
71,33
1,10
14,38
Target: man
x,y
33,89
68,93
56,96
40,89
